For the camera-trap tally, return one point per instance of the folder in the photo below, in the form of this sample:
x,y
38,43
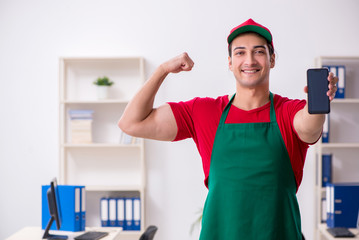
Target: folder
x,y
326,169
69,202
329,204
128,214
341,82
324,210
344,203
83,209
325,133
136,214
339,71
104,212
112,211
120,218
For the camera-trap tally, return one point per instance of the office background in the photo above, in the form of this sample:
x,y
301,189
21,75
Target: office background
x,y
34,34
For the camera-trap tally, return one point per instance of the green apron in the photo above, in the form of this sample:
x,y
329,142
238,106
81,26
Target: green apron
x,y
252,189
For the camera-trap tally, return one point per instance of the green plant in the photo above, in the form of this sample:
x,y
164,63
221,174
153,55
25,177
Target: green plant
x,y
103,81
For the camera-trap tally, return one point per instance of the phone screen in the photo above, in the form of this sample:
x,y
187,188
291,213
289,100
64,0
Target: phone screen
x,y
318,101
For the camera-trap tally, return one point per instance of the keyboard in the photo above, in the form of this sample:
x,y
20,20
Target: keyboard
x,y
92,235
341,232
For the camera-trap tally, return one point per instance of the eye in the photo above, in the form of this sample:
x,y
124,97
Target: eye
x,y
239,53
259,52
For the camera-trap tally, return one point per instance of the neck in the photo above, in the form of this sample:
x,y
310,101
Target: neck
x,y
250,98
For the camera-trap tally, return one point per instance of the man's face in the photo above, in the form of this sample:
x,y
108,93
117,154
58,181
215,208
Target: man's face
x,y
250,61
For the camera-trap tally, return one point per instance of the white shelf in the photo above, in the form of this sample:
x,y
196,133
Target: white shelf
x,y
105,101
102,145
344,140
345,100
106,167
108,188
340,145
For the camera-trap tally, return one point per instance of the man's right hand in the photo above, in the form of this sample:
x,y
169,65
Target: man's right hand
x,y
178,64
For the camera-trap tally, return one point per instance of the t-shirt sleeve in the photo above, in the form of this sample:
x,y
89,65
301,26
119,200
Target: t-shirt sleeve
x,y
182,112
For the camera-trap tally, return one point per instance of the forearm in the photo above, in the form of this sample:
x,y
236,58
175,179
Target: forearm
x,y
141,105
308,126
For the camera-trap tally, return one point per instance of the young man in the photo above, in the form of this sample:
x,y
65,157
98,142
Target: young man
x,y
253,144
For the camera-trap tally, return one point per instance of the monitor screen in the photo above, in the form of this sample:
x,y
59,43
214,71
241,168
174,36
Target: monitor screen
x,y
55,212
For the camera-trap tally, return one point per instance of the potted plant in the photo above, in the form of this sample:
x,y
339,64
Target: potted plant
x,y
103,84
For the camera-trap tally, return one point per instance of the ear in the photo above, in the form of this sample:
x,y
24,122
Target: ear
x,y
272,61
230,63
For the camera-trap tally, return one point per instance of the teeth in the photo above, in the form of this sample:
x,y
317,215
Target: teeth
x,y
249,71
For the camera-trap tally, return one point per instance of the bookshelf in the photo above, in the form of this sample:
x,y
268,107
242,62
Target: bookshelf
x,y
106,166
343,139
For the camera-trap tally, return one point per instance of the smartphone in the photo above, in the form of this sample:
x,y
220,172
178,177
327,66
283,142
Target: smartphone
x,y
317,82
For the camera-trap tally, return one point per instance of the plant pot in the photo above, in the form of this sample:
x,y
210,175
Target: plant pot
x,y
102,92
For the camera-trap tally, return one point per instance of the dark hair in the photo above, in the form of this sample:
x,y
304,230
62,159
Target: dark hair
x,y
270,47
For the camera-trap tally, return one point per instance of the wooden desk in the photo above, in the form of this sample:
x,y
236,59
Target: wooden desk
x,y
328,236
36,233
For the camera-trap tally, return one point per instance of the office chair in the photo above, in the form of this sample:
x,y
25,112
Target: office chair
x,y
149,233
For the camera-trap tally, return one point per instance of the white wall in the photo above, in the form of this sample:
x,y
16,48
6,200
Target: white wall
x,y
34,34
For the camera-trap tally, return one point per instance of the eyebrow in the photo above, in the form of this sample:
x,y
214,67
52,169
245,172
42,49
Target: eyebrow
x,y
257,46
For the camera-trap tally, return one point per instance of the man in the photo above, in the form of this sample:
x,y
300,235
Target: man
x,y
253,144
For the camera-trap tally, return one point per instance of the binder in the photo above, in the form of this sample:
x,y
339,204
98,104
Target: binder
x,y
326,169
104,212
341,82
120,218
329,205
324,210
344,203
325,133
83,209
112,211
339,71
128,214
136,214
69,202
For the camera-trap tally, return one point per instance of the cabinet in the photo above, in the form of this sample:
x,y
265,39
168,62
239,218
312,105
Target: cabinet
x,y
343,142
107,167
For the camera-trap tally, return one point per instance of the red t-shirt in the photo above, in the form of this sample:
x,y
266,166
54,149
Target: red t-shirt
x,y
199,118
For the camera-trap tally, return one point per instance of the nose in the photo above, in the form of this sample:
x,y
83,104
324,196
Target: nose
x,y
250,60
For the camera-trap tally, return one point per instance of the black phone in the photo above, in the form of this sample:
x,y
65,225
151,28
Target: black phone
x,y
317,81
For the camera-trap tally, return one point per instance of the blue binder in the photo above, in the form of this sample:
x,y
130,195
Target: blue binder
x,y
104,212
120,216
325,133
344,201
326,169
83,209
136,213
339,71
128,214
70,205
112,212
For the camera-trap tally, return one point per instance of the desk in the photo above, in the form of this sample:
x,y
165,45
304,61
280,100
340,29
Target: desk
x,y
36,233
327,235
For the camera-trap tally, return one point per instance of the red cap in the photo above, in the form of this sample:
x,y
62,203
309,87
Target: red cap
x,y
250,26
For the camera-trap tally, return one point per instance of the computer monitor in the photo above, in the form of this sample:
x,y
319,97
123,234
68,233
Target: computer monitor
x,y
55,212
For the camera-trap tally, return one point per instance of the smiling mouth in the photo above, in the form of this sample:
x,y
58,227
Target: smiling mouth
x,y
250,71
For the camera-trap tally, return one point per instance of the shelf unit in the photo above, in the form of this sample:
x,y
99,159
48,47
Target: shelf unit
x,y
343,139
107,167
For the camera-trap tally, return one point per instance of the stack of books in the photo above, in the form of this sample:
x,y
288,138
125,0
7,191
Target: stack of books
x,y
81,126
